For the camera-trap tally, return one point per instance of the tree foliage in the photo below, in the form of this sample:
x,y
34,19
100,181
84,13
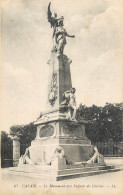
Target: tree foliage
x,y
104,123
5,137
6,150
26,133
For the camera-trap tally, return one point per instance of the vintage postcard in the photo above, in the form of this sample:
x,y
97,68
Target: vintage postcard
x,y
61,97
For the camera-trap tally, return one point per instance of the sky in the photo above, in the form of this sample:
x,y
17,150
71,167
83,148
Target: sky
x,y
96,53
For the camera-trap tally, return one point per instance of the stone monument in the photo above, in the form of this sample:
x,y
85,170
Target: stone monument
x,y
61,148
55,126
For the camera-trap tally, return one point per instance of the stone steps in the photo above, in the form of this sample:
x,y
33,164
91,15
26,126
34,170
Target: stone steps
x,y
61,174
48,169
85,174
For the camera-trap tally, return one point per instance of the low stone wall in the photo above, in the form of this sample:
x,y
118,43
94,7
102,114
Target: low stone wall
x,y
117,161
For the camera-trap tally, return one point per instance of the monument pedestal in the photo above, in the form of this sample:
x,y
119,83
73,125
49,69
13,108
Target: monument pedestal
x,y
69,135
54,129
61,148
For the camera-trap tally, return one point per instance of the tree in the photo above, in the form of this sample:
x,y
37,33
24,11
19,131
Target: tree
x,y
26,133
5,137
104,123
6,150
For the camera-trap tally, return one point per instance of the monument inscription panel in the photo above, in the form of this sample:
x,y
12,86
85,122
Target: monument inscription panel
x,y
46,131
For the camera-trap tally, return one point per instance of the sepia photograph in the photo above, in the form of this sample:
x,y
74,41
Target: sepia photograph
x,y
61,97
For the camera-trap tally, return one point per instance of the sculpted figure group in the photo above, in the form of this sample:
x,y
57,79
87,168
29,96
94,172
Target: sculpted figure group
x,y
59,33
59,153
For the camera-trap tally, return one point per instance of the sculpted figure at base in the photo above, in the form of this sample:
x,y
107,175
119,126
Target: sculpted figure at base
x,y
25,159
59,153
96,158
70,101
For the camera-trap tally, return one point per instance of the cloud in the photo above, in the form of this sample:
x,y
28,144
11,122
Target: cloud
x,y
16,79
80,21
107,29
99,80
83,7
21,100
97,34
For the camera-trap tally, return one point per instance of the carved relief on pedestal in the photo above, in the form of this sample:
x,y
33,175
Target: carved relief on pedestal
x,y
46,131
71,129
53,91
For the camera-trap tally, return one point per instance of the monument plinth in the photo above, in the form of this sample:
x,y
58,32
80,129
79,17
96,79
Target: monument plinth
x,y
55,127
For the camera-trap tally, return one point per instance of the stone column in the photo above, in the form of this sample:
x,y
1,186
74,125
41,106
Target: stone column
x,y
16,150
59,80
110,147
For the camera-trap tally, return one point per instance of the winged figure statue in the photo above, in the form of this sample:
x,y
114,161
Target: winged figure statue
x,y
59,33
52,18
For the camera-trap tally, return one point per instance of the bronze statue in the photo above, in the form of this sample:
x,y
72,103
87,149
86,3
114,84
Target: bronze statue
x,y
60,37
59,33
52,18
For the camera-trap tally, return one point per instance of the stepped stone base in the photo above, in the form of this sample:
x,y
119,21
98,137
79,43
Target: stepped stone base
x,y
71,171
67,134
